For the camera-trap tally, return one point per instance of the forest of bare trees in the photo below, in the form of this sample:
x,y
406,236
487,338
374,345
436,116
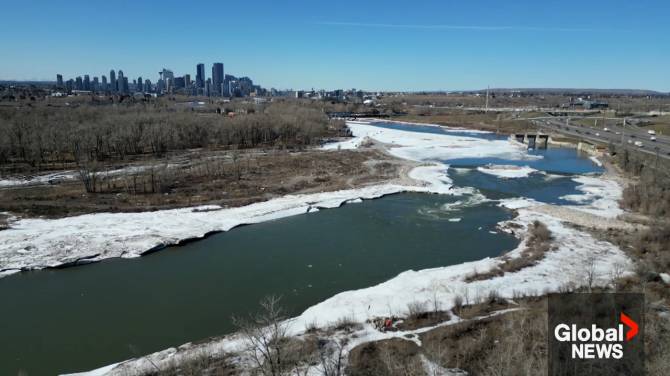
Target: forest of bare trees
x,y
45,137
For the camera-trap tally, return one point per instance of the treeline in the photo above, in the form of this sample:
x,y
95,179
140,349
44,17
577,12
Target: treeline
x,y
34,137
651,195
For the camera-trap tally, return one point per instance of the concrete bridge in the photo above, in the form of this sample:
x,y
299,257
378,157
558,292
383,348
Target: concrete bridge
x,y
533,140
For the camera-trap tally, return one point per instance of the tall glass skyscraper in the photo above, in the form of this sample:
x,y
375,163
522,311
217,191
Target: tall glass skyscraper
x,y
200,75
217,78
112,81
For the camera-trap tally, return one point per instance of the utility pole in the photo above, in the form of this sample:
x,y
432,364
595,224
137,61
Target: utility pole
x,y
487,99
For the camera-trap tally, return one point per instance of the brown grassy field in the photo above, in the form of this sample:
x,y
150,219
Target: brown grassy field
x,y
221,178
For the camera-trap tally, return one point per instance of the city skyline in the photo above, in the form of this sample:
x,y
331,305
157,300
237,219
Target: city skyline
x,y
217,85
380,46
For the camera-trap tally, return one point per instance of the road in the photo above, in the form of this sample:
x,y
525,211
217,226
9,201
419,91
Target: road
x,y
616,134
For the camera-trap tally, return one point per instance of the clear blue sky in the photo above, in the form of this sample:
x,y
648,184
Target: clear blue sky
x,y
381,45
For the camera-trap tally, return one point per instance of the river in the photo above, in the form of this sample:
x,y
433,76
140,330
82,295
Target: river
x,y
75,319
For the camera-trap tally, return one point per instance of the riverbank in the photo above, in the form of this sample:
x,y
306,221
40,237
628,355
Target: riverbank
x,y
30,244
348,318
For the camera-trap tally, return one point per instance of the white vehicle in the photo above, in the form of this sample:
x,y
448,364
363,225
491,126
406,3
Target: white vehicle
x,y
618,132
630,141
606,129
651,132
638,144
652,138
597,134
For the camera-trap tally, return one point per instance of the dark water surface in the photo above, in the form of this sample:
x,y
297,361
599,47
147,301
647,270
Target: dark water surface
x,y
85,317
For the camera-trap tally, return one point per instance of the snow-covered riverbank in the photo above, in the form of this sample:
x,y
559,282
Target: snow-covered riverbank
x,y
575,256
41,243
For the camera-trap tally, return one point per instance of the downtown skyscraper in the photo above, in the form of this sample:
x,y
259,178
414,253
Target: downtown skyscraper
x,y
200,75
217,79
112,81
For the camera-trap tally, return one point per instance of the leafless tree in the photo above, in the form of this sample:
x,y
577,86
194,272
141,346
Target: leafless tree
x,y
88,174
265,334
332,357
590,275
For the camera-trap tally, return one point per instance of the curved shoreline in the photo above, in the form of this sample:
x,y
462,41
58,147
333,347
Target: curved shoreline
x,y
137,234
559,268
33,244
564,266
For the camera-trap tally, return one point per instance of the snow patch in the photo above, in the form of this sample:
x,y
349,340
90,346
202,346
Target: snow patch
x,y
507,171
601,195
595,160
419,146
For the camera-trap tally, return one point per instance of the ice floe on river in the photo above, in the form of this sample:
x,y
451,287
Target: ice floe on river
x,y
602,196
507,171
419,146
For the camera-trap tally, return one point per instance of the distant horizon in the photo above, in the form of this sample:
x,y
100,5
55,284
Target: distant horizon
x,y
556,88
385,46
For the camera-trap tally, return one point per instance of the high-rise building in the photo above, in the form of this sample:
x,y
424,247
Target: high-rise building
x,y
87,82
217,78
234,88
147,86
104,83
246,86
112,81
95,85
139,84
187,80
227,78
78,83
125,88
119,82
200,75
59,80
167,77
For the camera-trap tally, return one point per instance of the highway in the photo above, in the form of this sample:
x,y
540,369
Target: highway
x,y
615,134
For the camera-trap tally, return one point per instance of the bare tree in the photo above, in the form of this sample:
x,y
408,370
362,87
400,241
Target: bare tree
x,y
88,174
332,357
590,272
265,334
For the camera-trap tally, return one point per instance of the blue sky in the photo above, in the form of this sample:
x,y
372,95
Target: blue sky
x,y
375,45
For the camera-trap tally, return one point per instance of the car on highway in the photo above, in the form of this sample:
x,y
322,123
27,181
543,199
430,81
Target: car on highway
x,y
651,132
652,138
598,134
606,129
638,144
